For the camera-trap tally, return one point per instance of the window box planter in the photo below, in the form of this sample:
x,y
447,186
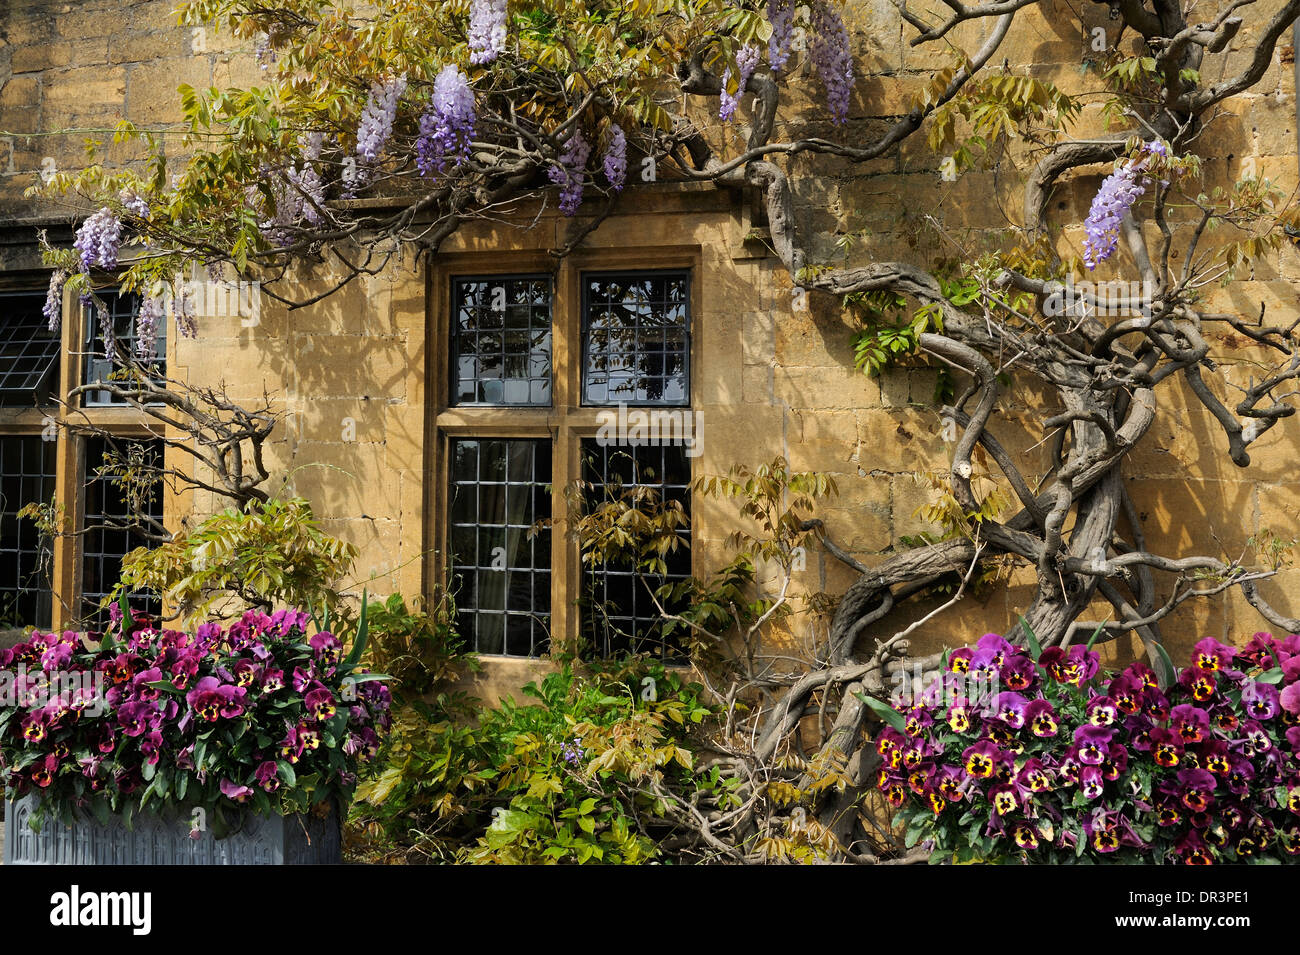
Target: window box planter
x,y
163,838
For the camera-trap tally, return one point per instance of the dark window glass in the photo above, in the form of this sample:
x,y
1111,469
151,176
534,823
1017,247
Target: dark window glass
x,y
29,351
619,614
122,311
501,574
112,530
501,341
26,477
636,338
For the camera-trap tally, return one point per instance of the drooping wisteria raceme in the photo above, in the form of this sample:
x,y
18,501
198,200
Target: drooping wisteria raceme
x,y
98,240
53,307
307,179
447,126
831,55
182,300
152,312
487,30
746,60
569,173
1118,192
1050,759
780,14
297,194
107,334
615,162
378,116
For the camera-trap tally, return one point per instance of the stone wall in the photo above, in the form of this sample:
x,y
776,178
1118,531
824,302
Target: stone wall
x,y
351,372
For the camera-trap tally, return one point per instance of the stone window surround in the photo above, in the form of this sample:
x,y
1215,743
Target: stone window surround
x,y
566,421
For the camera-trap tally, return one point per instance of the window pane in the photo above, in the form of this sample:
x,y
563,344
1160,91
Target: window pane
x,y
500,574
29,351
27,466
636,338
501,341
619,613
111,530
99,366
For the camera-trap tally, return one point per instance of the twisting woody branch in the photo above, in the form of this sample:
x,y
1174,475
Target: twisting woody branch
x,y
377,132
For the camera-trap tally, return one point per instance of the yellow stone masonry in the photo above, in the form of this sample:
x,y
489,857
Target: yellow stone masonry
x,y
355,373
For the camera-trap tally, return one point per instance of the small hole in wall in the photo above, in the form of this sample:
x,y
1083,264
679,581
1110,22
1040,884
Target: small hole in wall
x,y
1061,206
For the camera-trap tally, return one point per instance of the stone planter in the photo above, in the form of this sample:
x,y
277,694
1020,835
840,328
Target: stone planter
x,y
162,838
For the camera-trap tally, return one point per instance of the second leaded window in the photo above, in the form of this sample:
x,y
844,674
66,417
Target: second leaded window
x,y
102,366
636,338
622,604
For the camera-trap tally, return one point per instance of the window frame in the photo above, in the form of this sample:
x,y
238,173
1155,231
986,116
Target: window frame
x,y
566,422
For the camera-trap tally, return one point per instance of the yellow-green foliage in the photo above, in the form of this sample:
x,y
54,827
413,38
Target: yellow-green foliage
x,y
272,554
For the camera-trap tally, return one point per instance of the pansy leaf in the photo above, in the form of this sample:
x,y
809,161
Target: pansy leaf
x,y
369,677
1270,676
286,773
99,807
182,785
359,641
1031,640
1169,674
167,686
1097,633
885,712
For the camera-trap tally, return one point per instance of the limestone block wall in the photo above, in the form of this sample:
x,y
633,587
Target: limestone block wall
x,y
351,373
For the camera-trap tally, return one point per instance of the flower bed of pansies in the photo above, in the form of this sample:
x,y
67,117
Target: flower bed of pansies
x,y
257,715
1057,762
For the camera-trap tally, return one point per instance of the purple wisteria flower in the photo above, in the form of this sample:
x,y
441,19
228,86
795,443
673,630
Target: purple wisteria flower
x,y
146,328
378,116
831,54
182,299
1116,196
746,61
308,189
615,162
569,172
53,307
487,30
98,240
780,13
447,126
572,752
264,52
134,203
